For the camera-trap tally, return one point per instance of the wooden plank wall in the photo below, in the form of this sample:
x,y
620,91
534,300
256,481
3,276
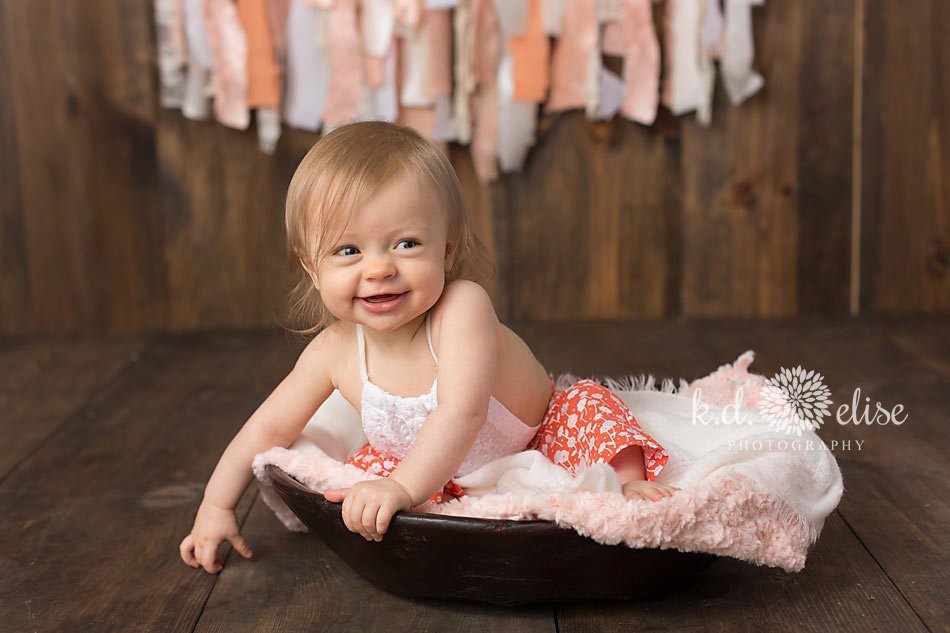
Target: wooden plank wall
x,y
824,194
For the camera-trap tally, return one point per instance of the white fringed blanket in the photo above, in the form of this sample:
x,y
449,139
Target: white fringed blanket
x,y
748,491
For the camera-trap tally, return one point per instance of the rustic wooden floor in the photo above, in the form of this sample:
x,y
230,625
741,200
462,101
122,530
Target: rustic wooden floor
x,y
106,444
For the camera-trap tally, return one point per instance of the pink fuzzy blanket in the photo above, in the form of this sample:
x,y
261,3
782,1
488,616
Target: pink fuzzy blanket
x,y
750,491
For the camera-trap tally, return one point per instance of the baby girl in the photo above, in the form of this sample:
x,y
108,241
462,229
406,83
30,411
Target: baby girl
x,y
391,276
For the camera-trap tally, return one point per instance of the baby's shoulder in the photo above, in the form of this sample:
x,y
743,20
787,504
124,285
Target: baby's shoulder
x,y
462,295
324,349
332,335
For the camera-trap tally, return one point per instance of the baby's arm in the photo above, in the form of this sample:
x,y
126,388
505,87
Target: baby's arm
x,y
278,421
468,352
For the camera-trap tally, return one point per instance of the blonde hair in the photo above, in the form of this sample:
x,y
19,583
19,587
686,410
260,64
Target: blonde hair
x,y
341,171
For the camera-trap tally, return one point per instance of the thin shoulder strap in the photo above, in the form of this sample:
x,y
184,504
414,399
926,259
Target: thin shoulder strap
x,y
362,346
429,338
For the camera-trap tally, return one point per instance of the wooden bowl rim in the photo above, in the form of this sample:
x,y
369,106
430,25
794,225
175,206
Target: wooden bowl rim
x,y
419,518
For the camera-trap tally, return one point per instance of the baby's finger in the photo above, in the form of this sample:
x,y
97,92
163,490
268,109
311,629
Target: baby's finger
x,y
370,510
186,549
207,558
356,516
346,513
336,495
383,518
241,546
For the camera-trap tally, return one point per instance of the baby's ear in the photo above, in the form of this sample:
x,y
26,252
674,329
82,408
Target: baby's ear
x,y
449,255
313,275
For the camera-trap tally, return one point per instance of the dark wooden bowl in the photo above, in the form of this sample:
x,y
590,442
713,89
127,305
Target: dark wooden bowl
x,y
487,560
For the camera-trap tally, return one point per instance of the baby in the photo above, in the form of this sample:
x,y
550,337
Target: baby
x,y
391,277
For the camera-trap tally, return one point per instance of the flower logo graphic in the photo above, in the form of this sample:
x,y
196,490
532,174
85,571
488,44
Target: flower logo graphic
x,y
795,399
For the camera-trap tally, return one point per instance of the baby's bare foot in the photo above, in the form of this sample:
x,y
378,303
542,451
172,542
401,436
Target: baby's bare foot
x,y
640,489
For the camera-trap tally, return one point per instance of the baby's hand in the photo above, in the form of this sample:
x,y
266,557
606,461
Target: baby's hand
x,y
368,506
640,489
213,525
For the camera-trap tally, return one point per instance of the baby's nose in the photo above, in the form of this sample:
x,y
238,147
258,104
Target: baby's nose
x,y
380,268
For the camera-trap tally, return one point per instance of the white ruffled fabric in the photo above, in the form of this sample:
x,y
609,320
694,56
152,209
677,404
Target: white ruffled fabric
x,y
392,423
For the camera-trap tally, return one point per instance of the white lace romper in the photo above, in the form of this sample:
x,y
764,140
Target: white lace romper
x,y
392,422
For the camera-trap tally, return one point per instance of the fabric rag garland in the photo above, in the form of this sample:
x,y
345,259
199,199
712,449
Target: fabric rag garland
x,y
470,71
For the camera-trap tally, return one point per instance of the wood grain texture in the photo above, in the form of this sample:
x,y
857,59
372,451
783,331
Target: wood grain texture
x,y
45,380
767,186
324,593
842,588
91,522
594,223
825,182
905,256
14,287
85,224
224,225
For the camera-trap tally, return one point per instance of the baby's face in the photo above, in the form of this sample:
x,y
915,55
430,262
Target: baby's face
x,y
395,244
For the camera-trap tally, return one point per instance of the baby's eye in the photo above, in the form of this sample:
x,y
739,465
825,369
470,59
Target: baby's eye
x,y
412,241
343,249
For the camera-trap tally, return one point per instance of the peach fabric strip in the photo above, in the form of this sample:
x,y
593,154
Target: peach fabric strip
x,y
374,67
277,12
421,119
530,52
487,36
439,25
408,12
464,87
413,64
573,52
229,47
516,119
614,39
381,52
377,23
641,67
345,56
263,75
377,26
683,85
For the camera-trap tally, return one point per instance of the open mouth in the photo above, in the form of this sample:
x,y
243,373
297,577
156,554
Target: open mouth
x,y
381,298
